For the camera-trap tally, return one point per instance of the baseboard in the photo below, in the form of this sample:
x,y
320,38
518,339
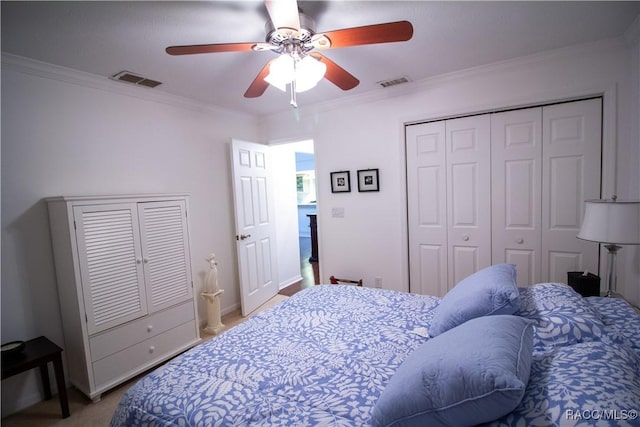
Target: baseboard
x,y
228,310
289,282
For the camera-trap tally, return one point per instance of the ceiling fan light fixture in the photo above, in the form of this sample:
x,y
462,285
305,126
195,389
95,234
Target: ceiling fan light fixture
x,y
281,72
309,72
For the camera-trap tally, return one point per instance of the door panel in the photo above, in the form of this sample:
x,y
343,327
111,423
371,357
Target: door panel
x,y
246,199
516,159
110,258
426,183
465,261
468,162
255,226
571,174
165,249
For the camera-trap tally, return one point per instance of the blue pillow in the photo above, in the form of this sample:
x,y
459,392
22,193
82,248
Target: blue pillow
x,y
471,374
492,290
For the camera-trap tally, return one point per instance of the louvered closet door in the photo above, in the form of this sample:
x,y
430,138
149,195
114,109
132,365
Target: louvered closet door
x,y
427,208
165,249
110,254
468,195
516,168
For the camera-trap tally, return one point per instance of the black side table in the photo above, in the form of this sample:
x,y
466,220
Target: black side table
x,y
37,353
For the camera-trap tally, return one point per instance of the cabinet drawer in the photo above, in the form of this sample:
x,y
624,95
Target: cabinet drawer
x,y
143,355
117,339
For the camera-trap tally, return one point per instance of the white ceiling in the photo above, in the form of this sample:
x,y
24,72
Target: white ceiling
x,y
104,38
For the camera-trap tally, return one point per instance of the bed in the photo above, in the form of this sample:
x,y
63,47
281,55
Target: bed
x,y
340,355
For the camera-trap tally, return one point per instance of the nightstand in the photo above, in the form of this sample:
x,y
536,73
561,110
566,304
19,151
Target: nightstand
x,y
38,353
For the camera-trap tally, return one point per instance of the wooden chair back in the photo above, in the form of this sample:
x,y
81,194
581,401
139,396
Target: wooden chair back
x,y
335,281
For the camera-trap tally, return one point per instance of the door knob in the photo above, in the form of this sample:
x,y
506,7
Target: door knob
x,y
465,238
519,240
243,236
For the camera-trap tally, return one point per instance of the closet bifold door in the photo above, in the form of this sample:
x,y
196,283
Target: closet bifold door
x,y
449,202
516,181
110,261
468,160
572,149
165,253
427,208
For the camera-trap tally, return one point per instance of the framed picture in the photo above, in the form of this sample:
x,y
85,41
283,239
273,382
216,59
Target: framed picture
x,y
368,180
340,182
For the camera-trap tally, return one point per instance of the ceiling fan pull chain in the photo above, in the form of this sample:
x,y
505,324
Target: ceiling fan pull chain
x,y
294,101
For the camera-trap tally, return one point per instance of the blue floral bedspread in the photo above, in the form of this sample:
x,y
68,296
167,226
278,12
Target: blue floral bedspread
x,y
324,356
321,357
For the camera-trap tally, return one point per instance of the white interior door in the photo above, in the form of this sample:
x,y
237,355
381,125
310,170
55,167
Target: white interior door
x,y
427,208
516,171
572,144
468,142
255,224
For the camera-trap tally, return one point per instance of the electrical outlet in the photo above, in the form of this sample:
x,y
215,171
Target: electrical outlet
x,y
378,282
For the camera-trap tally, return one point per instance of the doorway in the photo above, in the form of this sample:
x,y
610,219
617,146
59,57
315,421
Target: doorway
x,y
306,202
295,200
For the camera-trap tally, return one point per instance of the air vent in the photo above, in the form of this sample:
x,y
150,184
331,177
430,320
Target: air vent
x,y
128,77
387,83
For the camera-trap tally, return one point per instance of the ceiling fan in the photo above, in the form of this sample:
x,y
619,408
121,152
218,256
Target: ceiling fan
x,y
292,35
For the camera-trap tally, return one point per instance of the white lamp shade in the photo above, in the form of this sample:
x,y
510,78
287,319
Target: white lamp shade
x,y
308,73
281,72
614,222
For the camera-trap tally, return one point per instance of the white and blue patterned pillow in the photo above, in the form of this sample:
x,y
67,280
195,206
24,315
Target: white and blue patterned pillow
x,y
620,319
590,384
562,316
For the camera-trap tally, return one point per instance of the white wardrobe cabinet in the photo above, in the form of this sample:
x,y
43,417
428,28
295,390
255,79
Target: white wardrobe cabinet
x,y
502,187
123,269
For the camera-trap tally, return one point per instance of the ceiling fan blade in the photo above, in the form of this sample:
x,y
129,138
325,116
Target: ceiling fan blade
x,y
336,74
283,13
210,48
259,85
399,31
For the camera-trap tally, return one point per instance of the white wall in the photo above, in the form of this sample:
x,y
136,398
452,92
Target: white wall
x,y
283,160
630,257
98,137
367,132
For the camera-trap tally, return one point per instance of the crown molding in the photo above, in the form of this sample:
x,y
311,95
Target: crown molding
x,y
632,34
46,70
417,86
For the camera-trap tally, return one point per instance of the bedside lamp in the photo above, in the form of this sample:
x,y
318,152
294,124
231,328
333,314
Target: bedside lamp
x,y
613,223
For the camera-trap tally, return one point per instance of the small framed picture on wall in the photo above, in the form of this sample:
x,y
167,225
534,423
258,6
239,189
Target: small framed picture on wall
x,y
340,182
368,180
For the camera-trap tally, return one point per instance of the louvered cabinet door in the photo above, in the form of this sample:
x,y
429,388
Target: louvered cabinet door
x,y
110,261
165,249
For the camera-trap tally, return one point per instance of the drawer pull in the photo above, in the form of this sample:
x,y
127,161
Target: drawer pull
x,y
152,349
149,328
465,238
